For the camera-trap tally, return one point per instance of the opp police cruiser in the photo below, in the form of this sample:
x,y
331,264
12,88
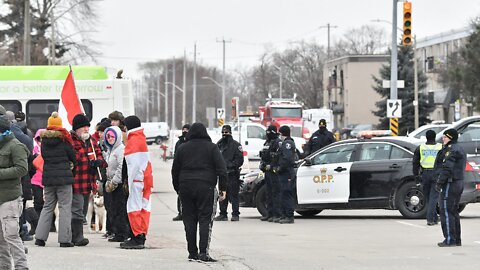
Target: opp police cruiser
x,y
449,174
286,174
268,162
423,162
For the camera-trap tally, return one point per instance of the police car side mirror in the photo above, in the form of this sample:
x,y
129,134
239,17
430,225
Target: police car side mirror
x,y
308,161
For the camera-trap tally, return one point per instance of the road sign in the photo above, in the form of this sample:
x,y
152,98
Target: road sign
x,y
220,122
394,108
394,126
220,113
400,84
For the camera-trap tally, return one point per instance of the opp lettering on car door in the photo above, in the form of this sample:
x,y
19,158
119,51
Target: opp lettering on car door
x,y
327,179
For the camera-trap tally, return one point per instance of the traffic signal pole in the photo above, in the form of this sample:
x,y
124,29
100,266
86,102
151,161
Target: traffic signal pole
x,y
393,60
393,68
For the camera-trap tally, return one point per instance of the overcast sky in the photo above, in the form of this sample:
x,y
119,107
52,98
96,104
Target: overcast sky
x,y
146,30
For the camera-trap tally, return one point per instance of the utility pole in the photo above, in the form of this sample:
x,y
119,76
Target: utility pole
x,y
328,26
224,77
184,85
415,82
166,92
174,93
159,94
26,34
194,98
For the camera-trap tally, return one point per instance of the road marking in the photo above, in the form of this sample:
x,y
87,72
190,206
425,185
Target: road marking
x,y
410,224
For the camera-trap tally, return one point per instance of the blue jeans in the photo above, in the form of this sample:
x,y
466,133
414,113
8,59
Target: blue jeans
x,y
431,195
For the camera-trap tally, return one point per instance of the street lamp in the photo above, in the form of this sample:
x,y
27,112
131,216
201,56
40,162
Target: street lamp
x,y
219,85
183,104
280,77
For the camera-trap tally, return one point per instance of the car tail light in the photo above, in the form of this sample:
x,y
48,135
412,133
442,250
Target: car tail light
x,y
477,186
245,153
472,167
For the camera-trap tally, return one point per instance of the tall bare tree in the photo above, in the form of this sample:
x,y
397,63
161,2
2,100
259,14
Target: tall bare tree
x,y
366,39
72,20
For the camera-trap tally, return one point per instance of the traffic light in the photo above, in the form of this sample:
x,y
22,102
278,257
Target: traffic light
x,y
234,108
407,24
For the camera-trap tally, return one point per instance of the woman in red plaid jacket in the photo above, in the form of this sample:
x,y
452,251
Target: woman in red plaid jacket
x,y
88,161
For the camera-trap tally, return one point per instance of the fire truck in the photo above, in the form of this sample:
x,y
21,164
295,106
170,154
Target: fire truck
x,y
281,112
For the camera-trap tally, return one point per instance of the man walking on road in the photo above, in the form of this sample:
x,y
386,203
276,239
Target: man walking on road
x,y
423,162
449,173
13,165
233,155
196,167
181,139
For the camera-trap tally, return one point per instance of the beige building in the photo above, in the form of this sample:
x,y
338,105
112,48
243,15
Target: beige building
x,y
349,88
433,54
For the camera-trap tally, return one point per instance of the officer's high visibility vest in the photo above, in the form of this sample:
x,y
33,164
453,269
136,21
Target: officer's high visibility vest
x,y
428,153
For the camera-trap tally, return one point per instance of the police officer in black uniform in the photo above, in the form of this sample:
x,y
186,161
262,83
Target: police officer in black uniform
x,y
286,174
449,173
268,161
181,139
233,155
319,139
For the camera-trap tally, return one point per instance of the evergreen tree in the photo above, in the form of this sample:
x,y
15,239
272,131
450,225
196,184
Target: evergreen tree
x,y
406,73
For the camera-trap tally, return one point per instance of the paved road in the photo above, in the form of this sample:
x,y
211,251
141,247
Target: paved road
x,y
370,239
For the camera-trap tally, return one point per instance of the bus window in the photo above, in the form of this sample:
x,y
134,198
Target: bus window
x,y
38,112
11,105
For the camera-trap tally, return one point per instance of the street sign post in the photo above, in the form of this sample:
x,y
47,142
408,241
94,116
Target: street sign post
x,y
221,116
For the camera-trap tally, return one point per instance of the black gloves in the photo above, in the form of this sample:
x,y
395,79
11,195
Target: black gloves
x,y
95,163
438,187
418,180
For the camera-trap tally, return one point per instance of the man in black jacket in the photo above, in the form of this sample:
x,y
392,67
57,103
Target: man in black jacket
x,y
196,166
449,174
268,161
286,174
181,139
233,155
322,137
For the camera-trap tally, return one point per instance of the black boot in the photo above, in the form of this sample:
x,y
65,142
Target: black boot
x,y
136,242
77,233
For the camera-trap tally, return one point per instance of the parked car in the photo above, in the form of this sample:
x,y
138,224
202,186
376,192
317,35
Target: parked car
x,y
156,132
361,127
359,174
468,134
420,133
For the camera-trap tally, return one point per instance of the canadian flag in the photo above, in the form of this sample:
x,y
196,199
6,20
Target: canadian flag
x,y
70,104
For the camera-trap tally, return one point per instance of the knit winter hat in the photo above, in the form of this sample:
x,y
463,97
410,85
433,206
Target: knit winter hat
x,y
20,116
272,128
451,133
54,120
322,123
430,135
4,124
227,128
132,122
79,121
285,131
116,115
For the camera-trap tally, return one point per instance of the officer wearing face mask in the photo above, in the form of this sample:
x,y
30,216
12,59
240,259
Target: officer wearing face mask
x,y
233,155
322,137
181,139
268,161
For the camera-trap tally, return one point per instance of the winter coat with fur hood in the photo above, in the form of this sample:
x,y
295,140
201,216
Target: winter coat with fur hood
x,y
59,158
114,156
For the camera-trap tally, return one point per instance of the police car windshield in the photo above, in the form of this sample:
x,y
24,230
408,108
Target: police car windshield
x,y
287,112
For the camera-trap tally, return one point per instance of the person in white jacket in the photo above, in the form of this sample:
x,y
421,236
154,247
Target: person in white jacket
x,y
114,184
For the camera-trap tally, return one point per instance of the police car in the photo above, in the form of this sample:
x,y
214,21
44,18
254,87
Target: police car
x,y
359,174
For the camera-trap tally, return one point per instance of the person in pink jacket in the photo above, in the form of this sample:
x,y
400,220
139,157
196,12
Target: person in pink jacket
x,y
37,187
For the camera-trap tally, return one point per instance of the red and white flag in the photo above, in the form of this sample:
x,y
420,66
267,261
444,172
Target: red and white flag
x,y
70,104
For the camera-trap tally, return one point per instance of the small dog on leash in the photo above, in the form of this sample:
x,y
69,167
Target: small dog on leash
x,y
97,206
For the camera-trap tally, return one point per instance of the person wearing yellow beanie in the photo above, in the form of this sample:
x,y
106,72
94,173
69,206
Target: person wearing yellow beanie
x,y
54,120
